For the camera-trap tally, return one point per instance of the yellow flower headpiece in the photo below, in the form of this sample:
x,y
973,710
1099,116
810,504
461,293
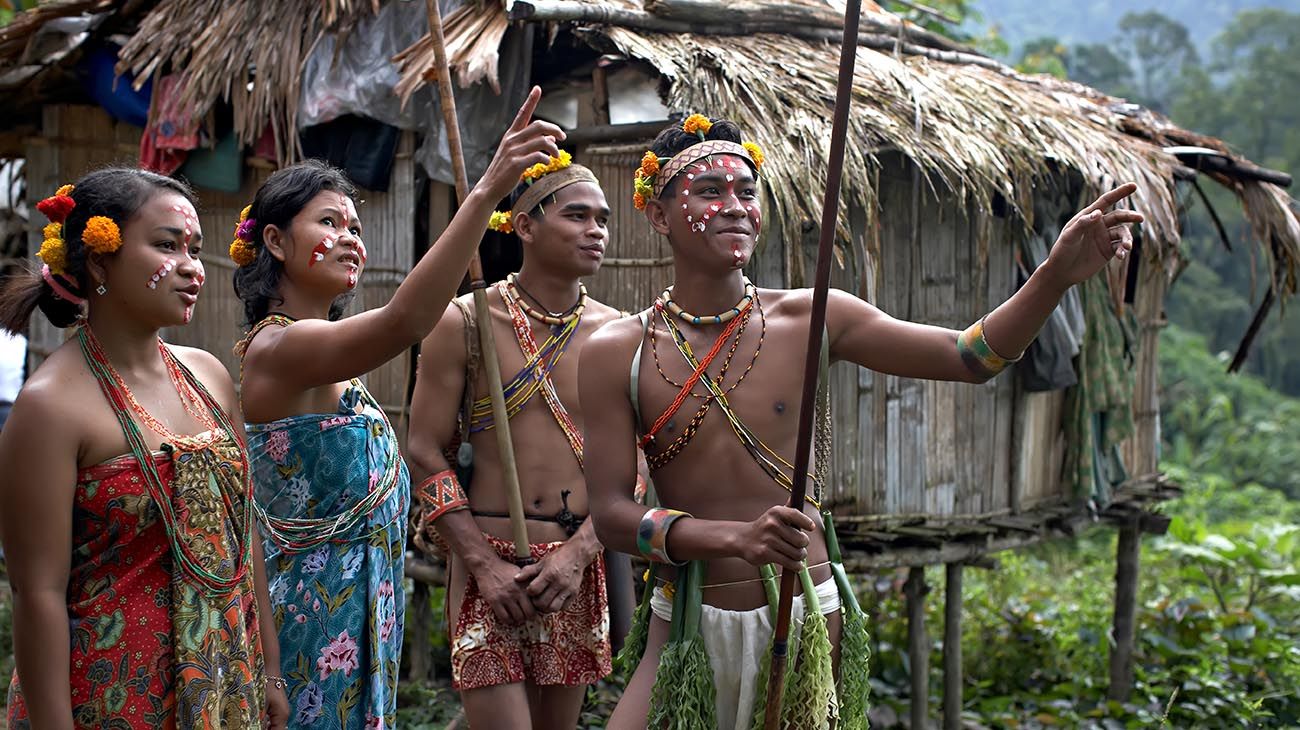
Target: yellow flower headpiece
x,y
555,164
242,251
53,251
102,235
500,222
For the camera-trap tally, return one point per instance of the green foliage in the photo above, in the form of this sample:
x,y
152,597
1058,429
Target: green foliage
x,y
1044,56
1217,635
1229,425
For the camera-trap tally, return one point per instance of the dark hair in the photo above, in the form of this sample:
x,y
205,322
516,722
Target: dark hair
x,y
115,192
518,193
282,197
674,139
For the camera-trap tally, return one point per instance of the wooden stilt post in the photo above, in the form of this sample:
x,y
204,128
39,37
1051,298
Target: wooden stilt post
x,y
419,633
1127,556
952,676
918,647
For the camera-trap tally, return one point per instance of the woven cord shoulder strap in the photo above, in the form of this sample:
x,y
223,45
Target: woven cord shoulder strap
x,y
473,360
634,381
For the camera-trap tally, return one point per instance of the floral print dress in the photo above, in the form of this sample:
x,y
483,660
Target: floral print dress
x,y
339,605
150,649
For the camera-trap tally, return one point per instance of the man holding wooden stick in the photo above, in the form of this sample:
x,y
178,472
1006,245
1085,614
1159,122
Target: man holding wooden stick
x,y
525,642
709,381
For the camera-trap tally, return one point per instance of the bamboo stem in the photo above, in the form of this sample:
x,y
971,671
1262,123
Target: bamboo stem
x,y
500,416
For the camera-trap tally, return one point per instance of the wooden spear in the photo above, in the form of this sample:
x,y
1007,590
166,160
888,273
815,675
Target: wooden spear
x,y
500,417
817,322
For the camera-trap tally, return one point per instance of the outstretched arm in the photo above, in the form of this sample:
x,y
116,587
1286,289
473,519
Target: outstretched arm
x,y
863,334
609,429
317,352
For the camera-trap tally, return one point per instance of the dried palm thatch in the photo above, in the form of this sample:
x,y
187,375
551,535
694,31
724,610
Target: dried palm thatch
x,y
980,130
473,36
248,53
966,127
16,36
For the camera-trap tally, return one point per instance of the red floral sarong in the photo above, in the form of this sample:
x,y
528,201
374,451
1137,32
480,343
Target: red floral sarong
x,y
569,647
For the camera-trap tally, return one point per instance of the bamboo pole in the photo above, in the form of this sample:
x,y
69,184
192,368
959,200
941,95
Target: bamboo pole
x,y
918,647
812,361
500,416
952,673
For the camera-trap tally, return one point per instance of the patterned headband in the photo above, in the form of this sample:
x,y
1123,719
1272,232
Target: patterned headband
x,y
695,152
549,184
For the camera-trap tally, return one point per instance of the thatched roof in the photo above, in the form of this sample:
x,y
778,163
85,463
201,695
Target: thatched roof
x,y
973,125
249,54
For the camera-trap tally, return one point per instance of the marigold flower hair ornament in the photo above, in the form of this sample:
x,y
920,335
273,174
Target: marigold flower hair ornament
x,y
656,172
242,251
543,180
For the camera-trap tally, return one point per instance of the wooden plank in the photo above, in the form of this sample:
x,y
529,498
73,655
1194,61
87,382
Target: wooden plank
x,y
918,647
952,672
1127,556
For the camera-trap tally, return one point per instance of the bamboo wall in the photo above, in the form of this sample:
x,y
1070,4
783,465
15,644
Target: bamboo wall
x,y
76,139
638,262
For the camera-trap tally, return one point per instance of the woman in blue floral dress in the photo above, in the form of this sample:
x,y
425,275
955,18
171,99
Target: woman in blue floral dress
x,y
331,489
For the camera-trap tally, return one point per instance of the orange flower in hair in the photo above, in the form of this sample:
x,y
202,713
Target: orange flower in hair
x,y
65,190
638,200
649,164
242,252
697,124
755,153
102,235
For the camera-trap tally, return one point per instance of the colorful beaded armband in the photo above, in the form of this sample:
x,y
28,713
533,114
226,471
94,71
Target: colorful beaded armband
x,y
440,494
652,534
976,353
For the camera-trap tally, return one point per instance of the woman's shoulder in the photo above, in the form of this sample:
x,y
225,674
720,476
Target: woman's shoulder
x,y
209,370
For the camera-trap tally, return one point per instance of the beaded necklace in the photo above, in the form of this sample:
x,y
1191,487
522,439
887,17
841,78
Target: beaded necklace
x,y
528,381
661,458
767,458
300,534
120,400
554,320
727,316
698,370
528,345
189,398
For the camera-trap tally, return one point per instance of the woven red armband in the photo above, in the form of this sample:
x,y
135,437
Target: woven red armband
x,y
440,494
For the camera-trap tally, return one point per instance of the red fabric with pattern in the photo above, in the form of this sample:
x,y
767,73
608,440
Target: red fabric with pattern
x,y
119,599
569,647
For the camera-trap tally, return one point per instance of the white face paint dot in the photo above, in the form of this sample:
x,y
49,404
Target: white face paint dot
x,y
690,176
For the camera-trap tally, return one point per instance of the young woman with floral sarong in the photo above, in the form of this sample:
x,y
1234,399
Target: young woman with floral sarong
x,y
332,490
139,597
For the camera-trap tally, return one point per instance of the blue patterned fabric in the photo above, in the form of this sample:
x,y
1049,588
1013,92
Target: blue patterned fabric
x,y
340,606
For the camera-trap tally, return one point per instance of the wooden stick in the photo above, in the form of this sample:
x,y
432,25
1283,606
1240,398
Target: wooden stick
x,y
812,362
701,18
500,417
